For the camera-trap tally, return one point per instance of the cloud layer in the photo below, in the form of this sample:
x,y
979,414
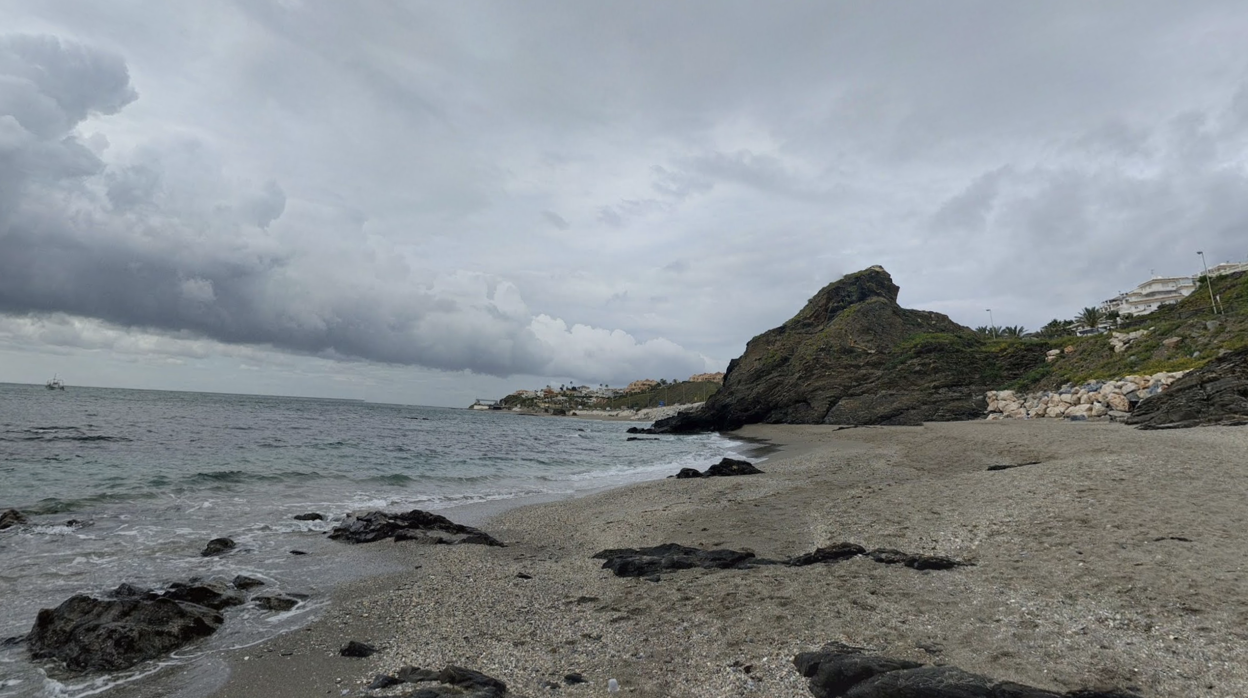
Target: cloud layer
x,y
600,191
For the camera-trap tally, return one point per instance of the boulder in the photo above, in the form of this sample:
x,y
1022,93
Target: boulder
x,y
644,562
1118,401
217,546
277,602
413,525
838,670
243,582
854,356
90,634
357,650
1215,394
686,473
212,595
310,516
729,467
11,517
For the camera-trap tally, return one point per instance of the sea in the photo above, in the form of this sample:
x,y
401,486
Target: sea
x,y
127,486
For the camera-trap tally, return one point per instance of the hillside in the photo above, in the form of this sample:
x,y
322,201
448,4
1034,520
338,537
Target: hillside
x,y
1183,336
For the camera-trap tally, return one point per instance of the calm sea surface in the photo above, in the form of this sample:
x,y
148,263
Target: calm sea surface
x,y
148,477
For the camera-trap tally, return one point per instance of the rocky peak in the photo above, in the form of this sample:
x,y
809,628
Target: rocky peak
x,y
849,290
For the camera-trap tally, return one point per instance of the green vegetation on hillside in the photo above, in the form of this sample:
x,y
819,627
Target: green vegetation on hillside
x,y
1201,336
681,393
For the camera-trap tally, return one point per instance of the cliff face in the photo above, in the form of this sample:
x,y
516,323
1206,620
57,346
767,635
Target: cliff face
x,y
853,356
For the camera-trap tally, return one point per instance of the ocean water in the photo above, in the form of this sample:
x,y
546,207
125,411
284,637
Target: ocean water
x,y
128,486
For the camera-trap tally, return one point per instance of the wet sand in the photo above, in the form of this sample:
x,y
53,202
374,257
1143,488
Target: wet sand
x,y
1117,560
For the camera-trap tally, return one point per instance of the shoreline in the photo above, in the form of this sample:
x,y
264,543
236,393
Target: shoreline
x,y
1112,559
212,669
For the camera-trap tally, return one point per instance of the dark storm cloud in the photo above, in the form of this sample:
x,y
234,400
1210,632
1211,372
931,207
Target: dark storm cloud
x,y
164,243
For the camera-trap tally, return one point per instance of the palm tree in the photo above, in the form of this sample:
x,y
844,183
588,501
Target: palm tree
x,y
1056,328
1013,331
1090,317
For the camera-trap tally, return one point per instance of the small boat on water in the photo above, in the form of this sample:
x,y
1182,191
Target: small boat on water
x,y
55,384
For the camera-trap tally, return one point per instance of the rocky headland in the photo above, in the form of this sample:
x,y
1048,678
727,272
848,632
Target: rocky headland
x,y
854,356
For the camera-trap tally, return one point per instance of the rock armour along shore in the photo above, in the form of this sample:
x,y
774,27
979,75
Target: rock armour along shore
x,y
1114,399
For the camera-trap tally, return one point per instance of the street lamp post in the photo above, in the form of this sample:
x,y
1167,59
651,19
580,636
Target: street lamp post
x,y
1208,282
992,326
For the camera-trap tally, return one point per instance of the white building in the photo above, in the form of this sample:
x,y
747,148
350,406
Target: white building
x,y
1227,268
1152,294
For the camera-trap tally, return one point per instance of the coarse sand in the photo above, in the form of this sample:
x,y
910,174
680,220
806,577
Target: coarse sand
x,y
1116,559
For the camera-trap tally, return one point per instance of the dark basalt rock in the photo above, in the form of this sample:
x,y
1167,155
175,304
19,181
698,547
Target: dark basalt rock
x,y
639,438
645,562
311,516
242,582
212,595
1009,466
276,602
89,634
640,430
573,679
10,518
357,649
457,682
838,670
726,467
852,355
1214,395
217,546
413,525
832,553
648,562
383,681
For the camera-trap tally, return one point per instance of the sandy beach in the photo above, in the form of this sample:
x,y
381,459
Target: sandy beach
x,y
1115,560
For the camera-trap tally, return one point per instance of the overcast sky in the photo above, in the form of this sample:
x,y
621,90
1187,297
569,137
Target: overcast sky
x,y
431,202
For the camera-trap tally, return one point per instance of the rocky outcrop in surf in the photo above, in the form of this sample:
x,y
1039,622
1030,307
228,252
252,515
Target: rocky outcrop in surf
x,y
854,356
415,525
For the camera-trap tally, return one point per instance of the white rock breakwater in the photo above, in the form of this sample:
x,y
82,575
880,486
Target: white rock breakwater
x,y
1113,399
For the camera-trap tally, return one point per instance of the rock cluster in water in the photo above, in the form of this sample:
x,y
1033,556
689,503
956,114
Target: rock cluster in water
x,y
11,517
1114,399
838,670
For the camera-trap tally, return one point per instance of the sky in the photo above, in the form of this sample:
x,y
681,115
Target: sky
x,y
431,202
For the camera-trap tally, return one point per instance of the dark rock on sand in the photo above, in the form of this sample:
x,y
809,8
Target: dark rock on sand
x,y
573,679
854,356
648,562
10,518
413,525
311,516
412,674
357,649
1213,395
832,553
89,634
217,546
474,681
243,582
384,681
645,562
1008,466
726,467
839,670
212,595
